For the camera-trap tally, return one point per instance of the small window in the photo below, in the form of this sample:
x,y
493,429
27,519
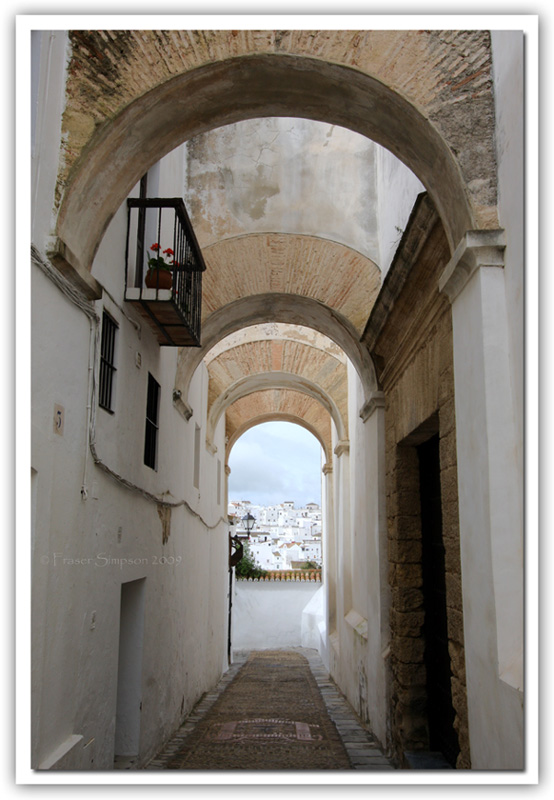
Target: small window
x,y
151,432
107,363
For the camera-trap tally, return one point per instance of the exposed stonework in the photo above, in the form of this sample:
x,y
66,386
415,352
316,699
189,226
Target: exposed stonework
x,y
439,70
416,371
298,220
133,96
271,381
164,513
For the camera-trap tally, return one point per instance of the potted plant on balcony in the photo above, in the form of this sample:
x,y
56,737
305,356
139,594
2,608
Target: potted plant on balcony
x,y
160,271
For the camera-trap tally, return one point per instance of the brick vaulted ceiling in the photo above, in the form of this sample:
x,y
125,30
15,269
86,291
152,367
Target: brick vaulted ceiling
x,y
257,264
135,95
276,261
278,372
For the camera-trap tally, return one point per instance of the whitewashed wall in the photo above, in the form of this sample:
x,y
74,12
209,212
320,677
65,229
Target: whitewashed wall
x,y
309,178
509,77
488,348
49,55
84,546
397,189
268,614
92,534
359,641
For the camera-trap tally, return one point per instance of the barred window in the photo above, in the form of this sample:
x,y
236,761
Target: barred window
x,y
107,363
151,431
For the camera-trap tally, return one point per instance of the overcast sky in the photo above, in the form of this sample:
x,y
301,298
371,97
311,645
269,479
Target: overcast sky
x,y
274,462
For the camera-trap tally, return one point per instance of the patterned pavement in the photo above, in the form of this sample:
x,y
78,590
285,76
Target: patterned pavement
x,y
217,738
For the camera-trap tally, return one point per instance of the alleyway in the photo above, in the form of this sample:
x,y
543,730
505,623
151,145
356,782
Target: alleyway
x,y
210,252
273,710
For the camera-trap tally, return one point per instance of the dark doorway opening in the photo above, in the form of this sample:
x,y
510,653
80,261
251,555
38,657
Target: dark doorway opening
x,y
442,735
129,676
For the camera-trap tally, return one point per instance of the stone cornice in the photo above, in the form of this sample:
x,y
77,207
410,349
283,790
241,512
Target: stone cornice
x,y
411,342
482,248
377,400
422,221
342,448
68,264
183,408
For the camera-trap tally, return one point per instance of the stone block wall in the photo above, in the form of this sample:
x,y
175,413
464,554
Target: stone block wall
x,y
416,373
409,696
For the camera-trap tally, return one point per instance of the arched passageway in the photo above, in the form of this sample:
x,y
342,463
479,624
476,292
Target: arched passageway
x,y
423,122
378,353
286,308
275,483
291,358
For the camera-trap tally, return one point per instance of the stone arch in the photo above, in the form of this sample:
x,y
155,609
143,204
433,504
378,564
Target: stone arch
x,y
277,417
359,80
277,307
272,380
272,332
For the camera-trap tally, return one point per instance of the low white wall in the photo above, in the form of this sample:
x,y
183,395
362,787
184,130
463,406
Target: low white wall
x,y
268,614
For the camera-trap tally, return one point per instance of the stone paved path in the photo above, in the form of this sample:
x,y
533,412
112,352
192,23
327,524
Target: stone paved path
x,y
363,752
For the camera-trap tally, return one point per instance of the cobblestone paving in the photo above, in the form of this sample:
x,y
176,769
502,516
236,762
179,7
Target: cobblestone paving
x,y
362,749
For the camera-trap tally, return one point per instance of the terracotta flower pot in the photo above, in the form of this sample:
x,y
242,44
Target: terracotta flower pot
x,y
159,278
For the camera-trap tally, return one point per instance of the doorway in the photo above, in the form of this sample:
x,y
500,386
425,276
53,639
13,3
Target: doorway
x,y
129,671
441,714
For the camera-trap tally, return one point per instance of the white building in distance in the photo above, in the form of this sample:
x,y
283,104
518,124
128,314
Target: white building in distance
x,y
350,256
282,534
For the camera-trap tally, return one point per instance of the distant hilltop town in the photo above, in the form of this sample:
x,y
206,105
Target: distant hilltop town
x,y
283,537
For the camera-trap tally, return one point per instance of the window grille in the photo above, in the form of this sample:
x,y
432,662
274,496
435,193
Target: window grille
x,y
151,431
107,363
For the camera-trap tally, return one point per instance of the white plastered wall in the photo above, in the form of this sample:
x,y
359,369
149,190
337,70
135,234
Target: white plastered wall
x,y
92,533
488,347
287,175
508,71
362,583
268,614
397,189
49,60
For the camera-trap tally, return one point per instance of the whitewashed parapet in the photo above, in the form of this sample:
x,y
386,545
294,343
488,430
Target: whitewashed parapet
x,y
289,576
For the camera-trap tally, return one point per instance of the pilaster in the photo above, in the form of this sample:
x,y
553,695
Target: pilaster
x,y
490,487
477,249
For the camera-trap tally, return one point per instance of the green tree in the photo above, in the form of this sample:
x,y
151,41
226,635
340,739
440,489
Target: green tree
x,y
247,567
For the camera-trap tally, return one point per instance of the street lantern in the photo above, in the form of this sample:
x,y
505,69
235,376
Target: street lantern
x,y
248,521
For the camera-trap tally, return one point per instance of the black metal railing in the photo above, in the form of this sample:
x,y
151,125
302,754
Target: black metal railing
x,y
162,243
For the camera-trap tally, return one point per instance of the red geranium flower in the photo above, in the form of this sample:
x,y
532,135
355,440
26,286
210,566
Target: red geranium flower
x,y
158,261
